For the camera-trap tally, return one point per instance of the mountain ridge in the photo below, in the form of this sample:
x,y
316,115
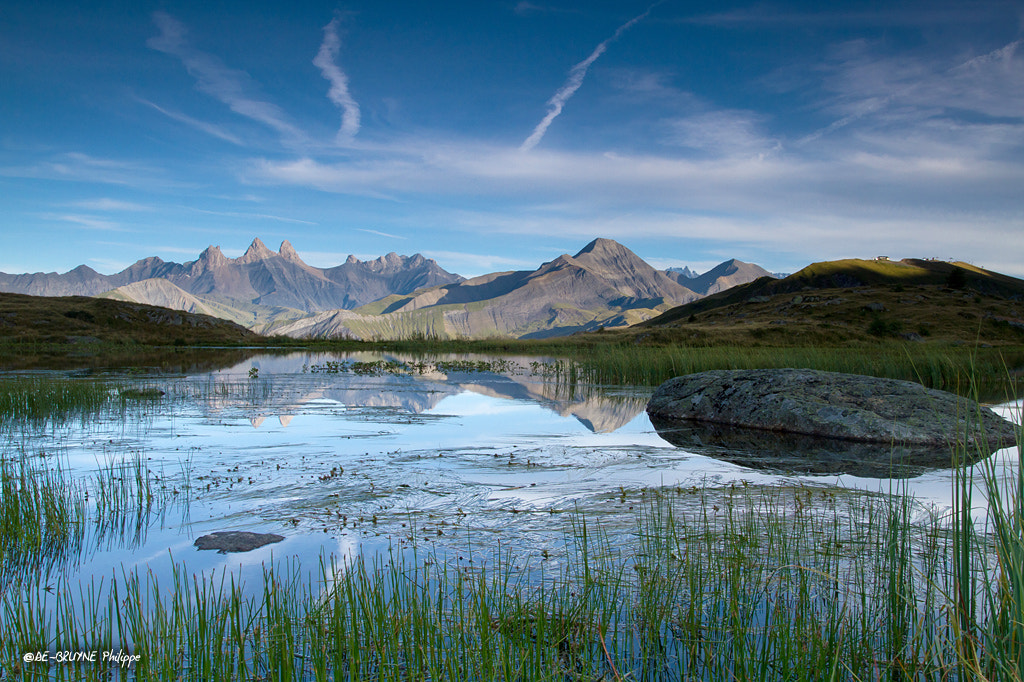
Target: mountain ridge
x,y
259,276
604,284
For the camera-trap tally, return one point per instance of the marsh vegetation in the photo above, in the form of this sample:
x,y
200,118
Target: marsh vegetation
x,y
733,576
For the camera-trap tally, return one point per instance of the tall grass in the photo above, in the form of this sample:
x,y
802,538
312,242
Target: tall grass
x,y
40,400
50,519
989,598
41,514
945,369
746,583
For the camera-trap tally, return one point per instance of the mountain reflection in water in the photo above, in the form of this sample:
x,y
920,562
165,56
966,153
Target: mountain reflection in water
x,y
600,411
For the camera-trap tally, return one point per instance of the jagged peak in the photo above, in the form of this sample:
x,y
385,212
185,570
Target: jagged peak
x,y
257,251
391,260
351,260
212,254
288,252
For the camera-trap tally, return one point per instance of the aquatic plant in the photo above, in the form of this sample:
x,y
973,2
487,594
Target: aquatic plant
x,y
738,582
40,400
742,582
49,518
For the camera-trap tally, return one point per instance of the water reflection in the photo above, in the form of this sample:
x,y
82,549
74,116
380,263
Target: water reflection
x,y
354,461
793,453
600,411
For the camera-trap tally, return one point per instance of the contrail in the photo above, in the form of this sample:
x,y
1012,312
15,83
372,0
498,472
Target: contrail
x,y
338,92
573,83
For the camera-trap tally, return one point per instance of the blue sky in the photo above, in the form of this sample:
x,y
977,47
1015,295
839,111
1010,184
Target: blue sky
x,y
497,135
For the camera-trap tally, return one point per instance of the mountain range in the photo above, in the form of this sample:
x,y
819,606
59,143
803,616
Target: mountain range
x,y
258,277
603,285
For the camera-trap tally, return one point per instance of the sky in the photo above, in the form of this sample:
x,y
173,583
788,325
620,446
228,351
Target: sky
x,y
495,136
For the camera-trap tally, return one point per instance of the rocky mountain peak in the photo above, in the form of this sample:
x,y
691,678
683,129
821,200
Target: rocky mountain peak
x,y
212,257
684,271
603,247
257,251
607,255
388,262
288,252
351,260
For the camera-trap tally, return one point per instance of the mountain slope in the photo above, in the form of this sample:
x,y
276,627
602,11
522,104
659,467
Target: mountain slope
x,y
604,284
855,273
160,292
723,276
85,320
855,301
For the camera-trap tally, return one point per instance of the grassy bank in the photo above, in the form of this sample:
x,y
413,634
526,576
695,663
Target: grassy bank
x,y
991,370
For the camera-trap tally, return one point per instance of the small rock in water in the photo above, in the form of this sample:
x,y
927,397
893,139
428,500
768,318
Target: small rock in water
x,y
225,541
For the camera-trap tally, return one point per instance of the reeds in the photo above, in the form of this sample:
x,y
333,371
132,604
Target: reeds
x,y
742,582
989,594
984,369
748,583
50,519
42,400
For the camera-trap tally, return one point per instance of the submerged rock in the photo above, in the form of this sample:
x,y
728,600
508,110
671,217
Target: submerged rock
x,y
833,405
225,541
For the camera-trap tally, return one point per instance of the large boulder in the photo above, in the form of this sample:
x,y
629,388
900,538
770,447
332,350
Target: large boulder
x,y
832,405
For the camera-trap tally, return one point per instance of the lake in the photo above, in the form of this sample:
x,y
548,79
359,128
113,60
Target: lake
x,y
360,454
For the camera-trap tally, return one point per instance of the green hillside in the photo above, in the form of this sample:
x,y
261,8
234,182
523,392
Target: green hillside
x,y
83,320
838,302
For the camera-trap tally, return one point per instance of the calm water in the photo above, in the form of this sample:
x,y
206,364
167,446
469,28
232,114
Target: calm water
x,y
343,462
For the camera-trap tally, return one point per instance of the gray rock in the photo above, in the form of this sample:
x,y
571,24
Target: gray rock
x,y
832,405
225,541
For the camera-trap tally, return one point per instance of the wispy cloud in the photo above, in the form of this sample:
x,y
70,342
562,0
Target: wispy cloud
x,y
573,83
908,96
338,92
525,8
475,264
203,126
722,133
380,234
106,204
90,222
247,216
213,77
86,168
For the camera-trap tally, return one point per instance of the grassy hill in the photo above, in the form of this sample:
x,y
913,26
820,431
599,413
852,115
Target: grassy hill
x,y
82,320
855,301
